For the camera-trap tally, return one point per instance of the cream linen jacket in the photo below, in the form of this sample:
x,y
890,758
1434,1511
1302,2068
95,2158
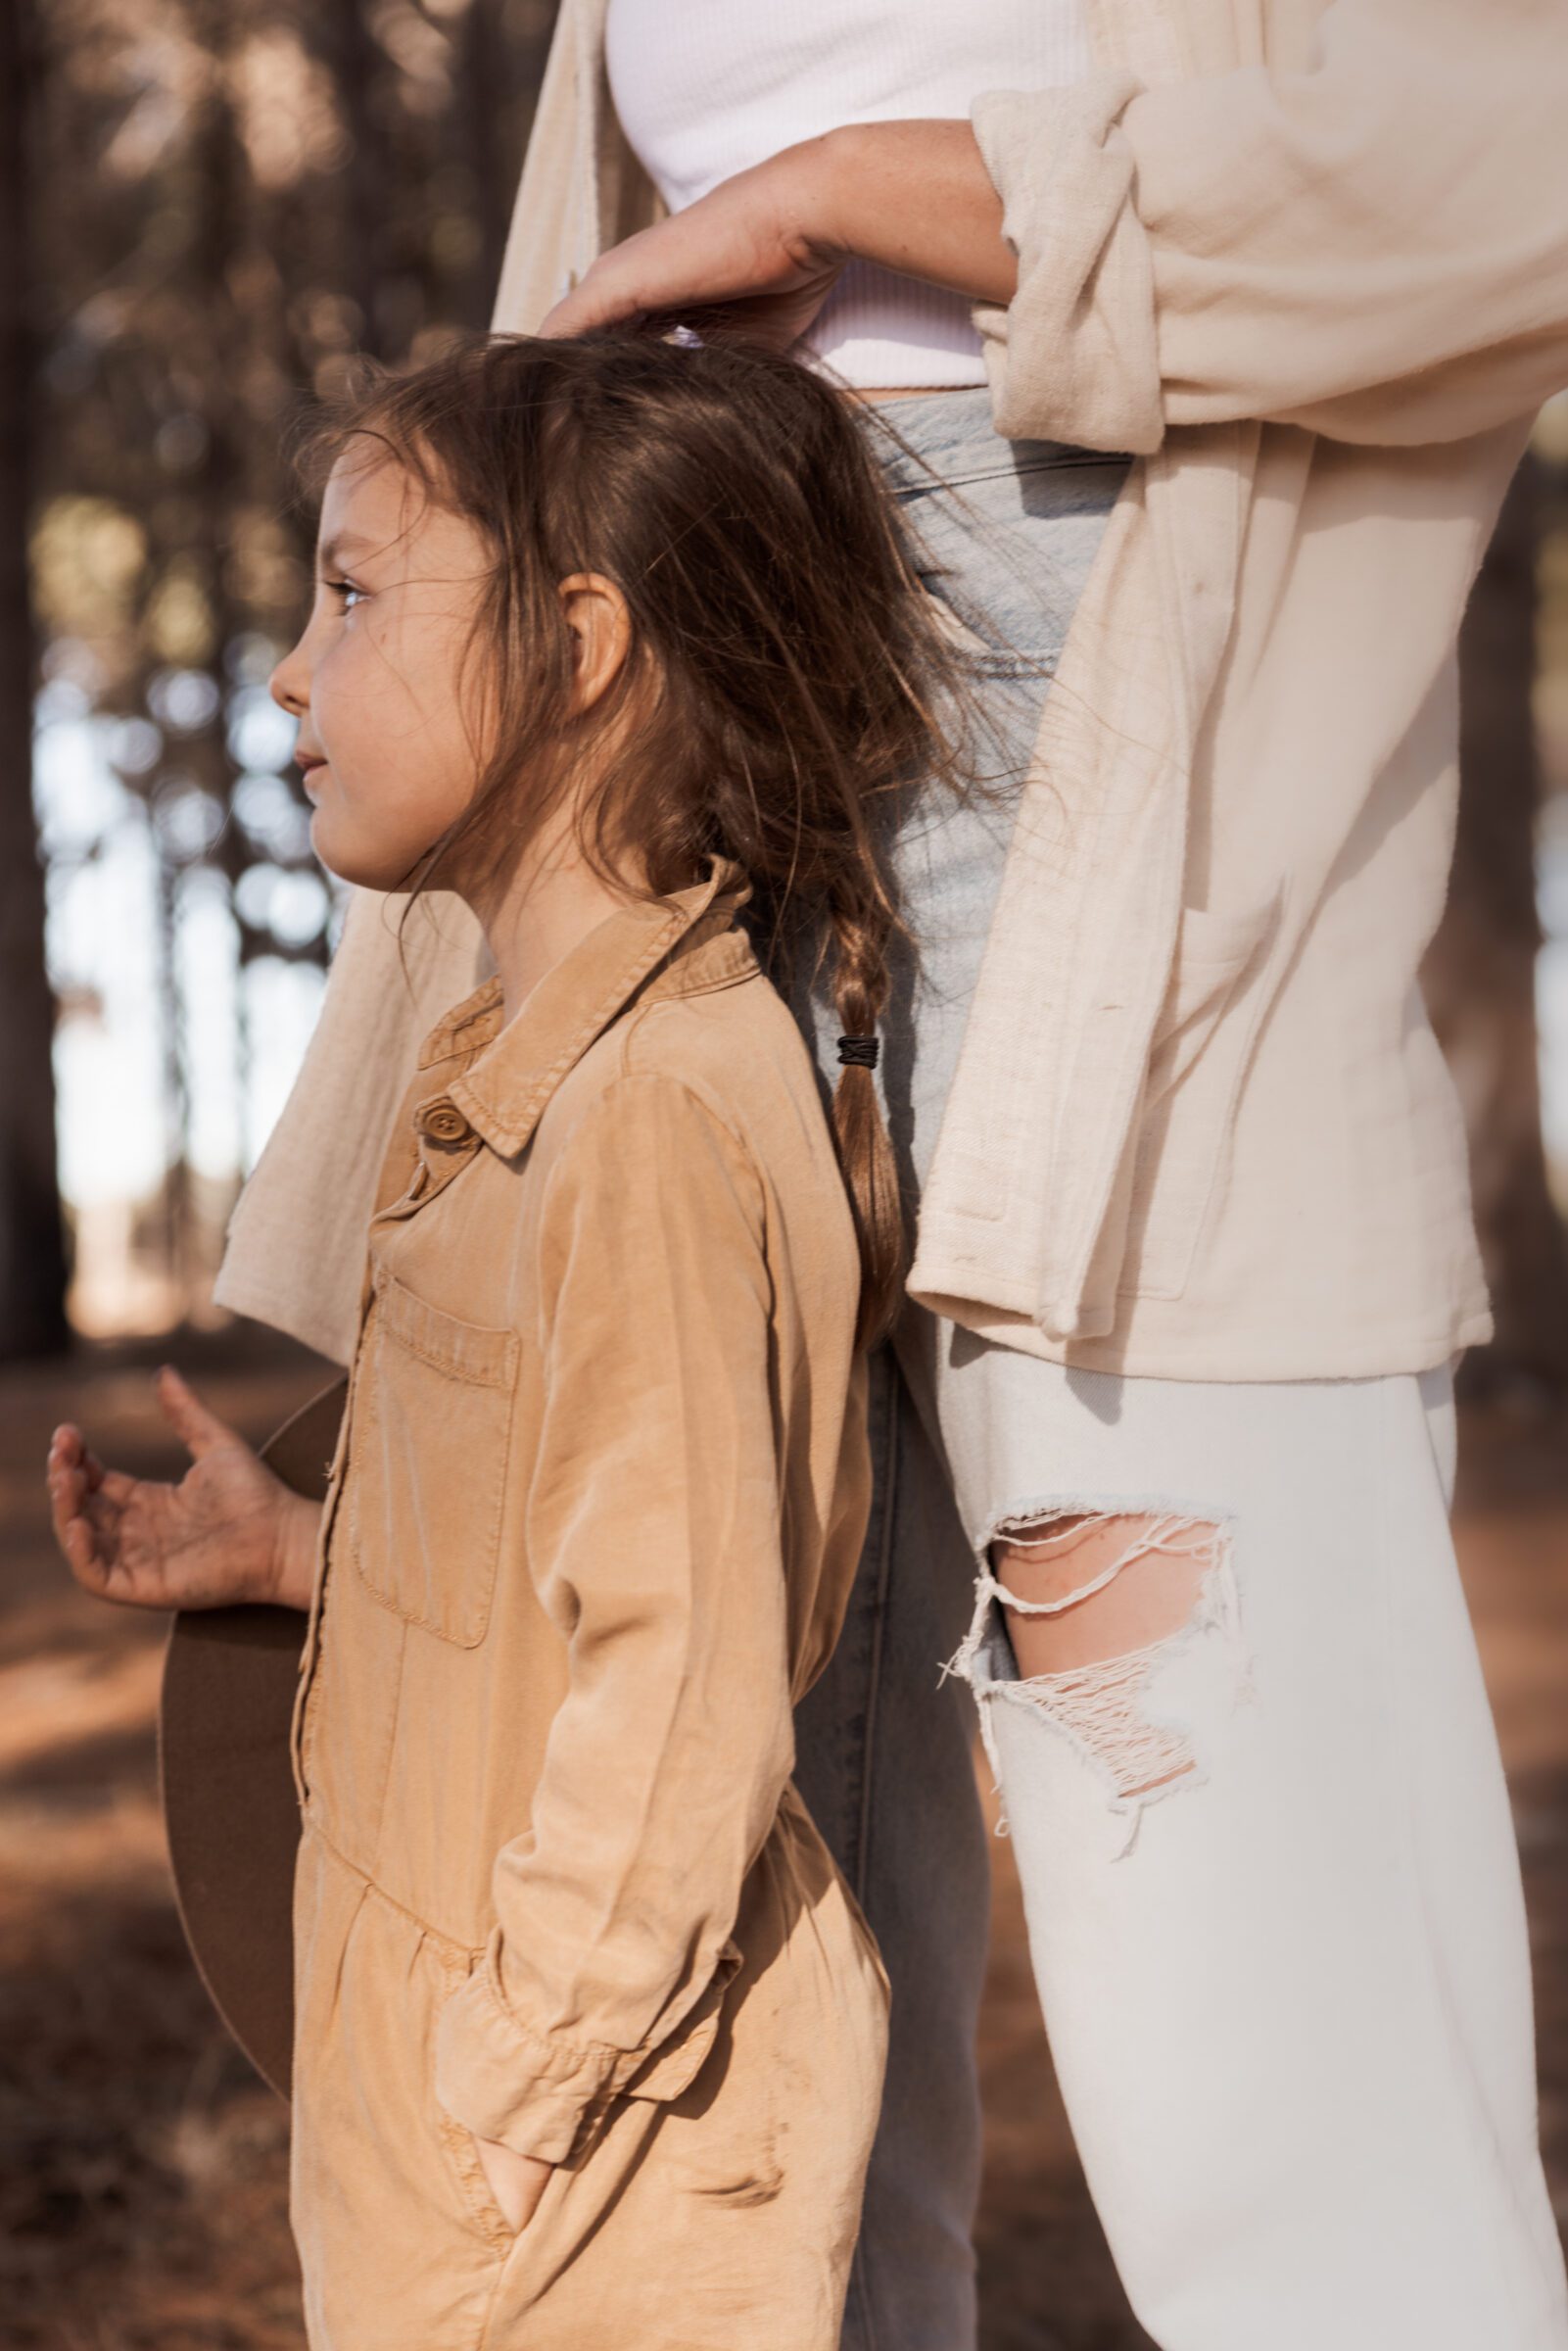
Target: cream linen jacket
x,y
1309,264
598,1500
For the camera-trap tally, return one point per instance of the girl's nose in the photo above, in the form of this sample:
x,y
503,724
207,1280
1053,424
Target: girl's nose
x,y
288,684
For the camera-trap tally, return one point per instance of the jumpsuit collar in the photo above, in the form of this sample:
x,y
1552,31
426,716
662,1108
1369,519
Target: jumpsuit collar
x,y
675,945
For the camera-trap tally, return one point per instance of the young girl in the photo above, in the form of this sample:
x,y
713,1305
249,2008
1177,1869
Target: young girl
x,y
608,638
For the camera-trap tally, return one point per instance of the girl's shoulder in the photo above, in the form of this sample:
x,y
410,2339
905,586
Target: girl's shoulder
x,y
684,1061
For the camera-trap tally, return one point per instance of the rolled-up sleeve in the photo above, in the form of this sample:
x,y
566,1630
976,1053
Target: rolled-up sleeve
x,y
652,1530
1370,242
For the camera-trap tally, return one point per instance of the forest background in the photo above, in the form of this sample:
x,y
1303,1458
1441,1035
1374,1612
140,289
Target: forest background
x,y
206,207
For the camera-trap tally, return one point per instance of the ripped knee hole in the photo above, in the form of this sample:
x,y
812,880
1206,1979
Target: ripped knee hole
x,y
1097,1605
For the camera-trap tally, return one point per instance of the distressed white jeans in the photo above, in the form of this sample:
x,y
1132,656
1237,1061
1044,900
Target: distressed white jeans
x,y
1287,1991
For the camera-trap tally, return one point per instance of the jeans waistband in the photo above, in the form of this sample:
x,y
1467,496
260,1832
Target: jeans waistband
x,y
952,434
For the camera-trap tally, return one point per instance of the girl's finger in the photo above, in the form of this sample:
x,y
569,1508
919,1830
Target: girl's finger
x,y
87,1523
65,1498
68,1450
82,1555
104,1519
70,1510
199,1430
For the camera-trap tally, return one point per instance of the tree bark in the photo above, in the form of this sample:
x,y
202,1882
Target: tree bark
x,y
33,1254
1480,973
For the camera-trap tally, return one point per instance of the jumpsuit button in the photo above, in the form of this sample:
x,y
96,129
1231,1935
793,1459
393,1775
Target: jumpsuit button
x,y
444,1121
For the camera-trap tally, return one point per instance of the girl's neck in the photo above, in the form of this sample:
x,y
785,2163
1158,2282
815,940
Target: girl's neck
x,y
544,909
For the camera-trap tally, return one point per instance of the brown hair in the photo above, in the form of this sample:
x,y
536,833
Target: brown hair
x,y
786,668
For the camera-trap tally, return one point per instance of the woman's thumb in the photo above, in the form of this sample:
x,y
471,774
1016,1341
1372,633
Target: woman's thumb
x,y
198,1429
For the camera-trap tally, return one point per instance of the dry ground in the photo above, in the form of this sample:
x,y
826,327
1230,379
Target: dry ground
x,y
142,2166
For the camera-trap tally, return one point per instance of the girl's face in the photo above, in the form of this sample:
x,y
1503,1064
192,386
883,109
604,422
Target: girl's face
x,y
390,739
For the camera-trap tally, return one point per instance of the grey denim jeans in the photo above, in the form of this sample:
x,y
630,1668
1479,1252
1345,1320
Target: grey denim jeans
x,y
1009,531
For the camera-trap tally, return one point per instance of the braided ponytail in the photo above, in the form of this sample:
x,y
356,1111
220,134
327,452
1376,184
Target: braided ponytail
x,y
861,932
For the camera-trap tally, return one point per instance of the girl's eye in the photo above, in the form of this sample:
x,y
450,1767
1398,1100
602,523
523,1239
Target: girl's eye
x,y
343,590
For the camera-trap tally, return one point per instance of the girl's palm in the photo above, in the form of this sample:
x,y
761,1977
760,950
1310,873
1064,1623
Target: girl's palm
x,y
216,1537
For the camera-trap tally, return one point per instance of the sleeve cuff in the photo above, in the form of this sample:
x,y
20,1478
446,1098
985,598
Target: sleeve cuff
x,y
1073,356
546,2097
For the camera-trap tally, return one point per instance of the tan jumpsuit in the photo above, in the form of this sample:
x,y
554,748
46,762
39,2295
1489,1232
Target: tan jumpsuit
x,y
592,1520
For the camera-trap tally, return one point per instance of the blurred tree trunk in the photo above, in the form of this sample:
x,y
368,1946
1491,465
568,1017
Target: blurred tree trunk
x,y
33,1257
494,169
1480,972
211,263
358,72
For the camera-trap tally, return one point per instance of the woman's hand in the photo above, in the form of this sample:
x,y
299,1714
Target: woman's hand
x,y
516,2182
229,1531
761,239
767,246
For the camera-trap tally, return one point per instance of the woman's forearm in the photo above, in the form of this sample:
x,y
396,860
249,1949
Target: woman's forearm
x,y
770,243
913,196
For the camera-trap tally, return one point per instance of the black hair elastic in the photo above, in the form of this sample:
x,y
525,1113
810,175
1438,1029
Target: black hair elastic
x,y
859,1053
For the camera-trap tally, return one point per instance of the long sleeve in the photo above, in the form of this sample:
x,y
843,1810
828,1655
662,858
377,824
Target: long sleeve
x,y
652,1530
294,1254
1374,246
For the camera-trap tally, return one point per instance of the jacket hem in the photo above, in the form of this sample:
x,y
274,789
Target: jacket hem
x,y
1388,1349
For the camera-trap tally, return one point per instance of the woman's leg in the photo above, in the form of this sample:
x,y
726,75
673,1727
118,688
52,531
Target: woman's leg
x,y
1268,1863
884,1750
885,1765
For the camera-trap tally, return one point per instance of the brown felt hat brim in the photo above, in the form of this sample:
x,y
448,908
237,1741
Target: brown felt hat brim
x,y
227,1784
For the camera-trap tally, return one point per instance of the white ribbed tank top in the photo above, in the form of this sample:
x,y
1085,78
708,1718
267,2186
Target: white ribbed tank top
x,y
703,88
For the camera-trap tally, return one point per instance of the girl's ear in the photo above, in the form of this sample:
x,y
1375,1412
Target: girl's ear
x,y
594,610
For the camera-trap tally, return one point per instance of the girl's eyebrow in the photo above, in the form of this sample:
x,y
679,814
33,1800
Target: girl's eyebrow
x,y
333,550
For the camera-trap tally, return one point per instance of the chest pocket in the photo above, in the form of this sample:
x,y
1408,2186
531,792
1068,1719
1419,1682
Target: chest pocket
x,y
426,1486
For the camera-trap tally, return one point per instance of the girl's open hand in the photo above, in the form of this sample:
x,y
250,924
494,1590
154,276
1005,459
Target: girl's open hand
x,y
229,1531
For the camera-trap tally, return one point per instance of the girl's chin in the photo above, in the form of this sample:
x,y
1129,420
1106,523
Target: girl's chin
x,y
366,863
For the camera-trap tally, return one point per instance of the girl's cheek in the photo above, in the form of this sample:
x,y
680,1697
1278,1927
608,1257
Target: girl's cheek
x,y
342,699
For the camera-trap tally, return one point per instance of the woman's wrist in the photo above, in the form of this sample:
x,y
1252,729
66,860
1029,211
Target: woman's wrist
x,y
913,196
